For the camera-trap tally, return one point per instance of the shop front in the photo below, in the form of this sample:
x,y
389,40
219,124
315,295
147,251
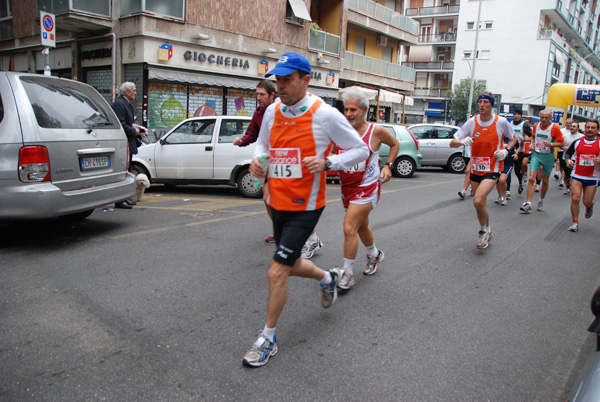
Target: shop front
x,y
182,80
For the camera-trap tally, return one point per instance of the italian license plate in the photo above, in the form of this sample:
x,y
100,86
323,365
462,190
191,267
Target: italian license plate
x,y
96,162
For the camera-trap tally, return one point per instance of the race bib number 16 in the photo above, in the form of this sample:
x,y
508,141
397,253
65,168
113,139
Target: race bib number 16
x,y
285,163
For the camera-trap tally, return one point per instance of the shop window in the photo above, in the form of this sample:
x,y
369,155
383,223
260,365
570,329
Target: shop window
x,y
173,8
240,102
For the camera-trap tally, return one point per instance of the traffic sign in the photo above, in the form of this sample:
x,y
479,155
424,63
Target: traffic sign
x,y
48,29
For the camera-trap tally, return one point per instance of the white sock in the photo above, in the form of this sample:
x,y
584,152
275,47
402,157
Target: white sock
x,y
541,200
268,333
484,228
326,278
348,265
313,237
372,250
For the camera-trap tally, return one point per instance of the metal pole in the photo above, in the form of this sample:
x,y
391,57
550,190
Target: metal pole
x,y
474,61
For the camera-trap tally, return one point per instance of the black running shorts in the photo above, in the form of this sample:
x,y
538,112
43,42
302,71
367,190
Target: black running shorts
x,y
291,230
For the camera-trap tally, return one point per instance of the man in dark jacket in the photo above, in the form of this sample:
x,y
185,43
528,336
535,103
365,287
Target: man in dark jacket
x,y
124,111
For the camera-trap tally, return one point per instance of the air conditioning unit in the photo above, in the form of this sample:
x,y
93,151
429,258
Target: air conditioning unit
x,y
382,40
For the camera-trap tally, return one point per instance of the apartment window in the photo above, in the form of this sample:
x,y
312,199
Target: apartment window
x,y
296,12
173,8
483,54
482,25
360,45
441,57
6,20
100,7
386,53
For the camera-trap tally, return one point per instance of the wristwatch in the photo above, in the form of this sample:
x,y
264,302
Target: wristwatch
x,y
327,164
390,165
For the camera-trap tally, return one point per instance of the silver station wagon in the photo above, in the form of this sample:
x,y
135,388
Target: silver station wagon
x,y
63,152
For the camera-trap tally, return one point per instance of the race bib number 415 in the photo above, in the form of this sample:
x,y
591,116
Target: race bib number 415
x,y
285,163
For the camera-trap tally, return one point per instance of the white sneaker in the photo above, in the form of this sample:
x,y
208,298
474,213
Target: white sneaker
x,y
540,207
484,239
309,248
574,227
508,195
347,281
462,194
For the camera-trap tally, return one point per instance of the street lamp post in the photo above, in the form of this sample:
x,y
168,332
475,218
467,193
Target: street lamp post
x,y
474,62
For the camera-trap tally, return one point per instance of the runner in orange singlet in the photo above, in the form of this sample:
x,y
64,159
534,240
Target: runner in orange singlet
x,y
296,134
484,133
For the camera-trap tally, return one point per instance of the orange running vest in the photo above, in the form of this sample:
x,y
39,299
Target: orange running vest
x,y
291,186
486,141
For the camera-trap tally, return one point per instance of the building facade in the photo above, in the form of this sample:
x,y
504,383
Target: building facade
x,y
523,48
201,57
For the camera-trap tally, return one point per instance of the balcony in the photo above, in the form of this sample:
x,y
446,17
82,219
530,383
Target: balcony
x,y
387,15
324,42
428,11
79,15
431,92
445,37
433,65
380,67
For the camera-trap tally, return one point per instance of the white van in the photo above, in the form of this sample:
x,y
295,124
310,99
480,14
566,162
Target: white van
x,y
63,151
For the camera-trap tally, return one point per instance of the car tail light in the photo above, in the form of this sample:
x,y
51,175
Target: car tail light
x,y
34,165
127,158
414,139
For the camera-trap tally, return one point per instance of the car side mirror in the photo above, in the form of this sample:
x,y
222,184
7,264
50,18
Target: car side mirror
x,y
162,141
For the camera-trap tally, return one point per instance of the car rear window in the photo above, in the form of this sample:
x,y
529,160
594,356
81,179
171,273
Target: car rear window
x,y
66,104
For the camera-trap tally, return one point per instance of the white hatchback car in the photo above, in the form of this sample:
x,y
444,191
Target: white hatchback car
x,y
434,144
200,150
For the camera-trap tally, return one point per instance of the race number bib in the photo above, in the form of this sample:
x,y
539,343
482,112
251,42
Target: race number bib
x,y
285,163
479,164
586,160
359,167
541,147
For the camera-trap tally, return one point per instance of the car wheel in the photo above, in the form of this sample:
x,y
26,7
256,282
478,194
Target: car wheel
x,y
456,164
404,167
76,217
136,169
245,185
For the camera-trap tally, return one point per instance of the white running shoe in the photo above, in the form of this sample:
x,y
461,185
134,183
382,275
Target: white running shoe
x,y
462,194
329,291
589,212
347,281
526,207
373,263
574,227
309,248
540,207
484,239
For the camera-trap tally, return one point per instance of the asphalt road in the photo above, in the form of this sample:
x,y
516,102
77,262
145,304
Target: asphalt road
x,y
161,302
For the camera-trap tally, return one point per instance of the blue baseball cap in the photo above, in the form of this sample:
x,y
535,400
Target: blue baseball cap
x,y
288,63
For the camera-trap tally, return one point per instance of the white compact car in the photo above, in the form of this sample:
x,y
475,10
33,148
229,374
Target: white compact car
x,y
434,144
200,150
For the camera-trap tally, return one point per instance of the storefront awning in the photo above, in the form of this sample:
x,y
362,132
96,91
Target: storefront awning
x,y
420,53
223,81
386,98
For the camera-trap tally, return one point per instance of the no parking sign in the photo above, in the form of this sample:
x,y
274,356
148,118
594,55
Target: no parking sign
x,y
48,29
